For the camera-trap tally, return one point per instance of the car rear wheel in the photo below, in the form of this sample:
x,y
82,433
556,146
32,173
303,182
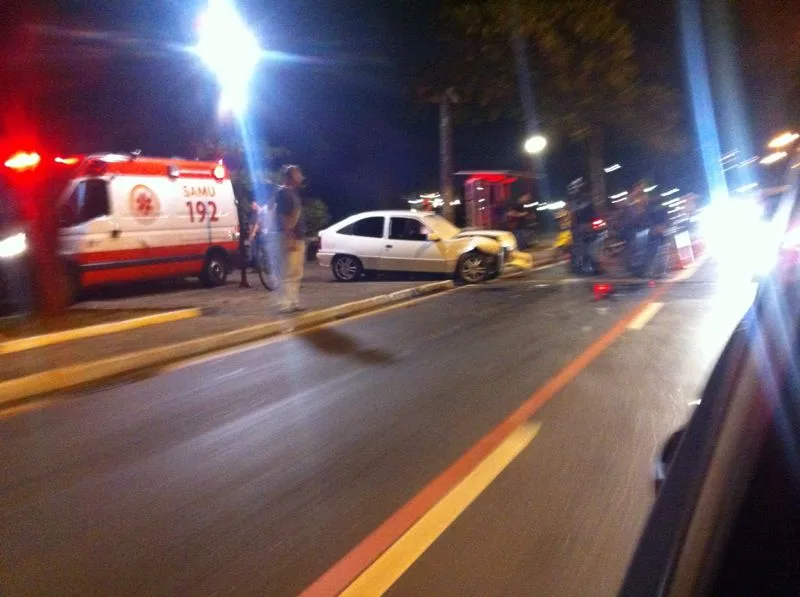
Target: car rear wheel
x,y
347,268
473,268
215,270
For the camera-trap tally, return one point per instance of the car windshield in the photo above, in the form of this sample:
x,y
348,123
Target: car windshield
x,y
441,226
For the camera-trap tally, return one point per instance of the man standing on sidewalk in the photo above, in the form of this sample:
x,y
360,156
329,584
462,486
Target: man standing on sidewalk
x,y
289,240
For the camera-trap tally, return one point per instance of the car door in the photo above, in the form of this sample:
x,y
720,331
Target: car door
x,y
408,248
87,225
364,239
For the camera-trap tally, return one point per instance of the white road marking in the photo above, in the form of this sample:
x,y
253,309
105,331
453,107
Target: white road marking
x,y
645,316
231,374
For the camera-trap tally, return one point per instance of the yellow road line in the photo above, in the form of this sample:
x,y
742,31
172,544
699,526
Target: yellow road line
x,y
384,572
91,331
645,316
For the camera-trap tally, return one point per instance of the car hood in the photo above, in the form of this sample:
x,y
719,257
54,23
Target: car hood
x,y
503,237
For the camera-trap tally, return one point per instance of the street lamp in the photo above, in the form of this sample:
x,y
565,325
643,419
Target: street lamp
x,y
230,50
783,140
535,144
773,158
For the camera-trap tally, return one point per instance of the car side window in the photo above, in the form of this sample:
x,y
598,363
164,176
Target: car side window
x,y
89,200
407,229
371,227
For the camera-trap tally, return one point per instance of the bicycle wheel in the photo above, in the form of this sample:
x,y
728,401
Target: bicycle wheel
x,y
262,267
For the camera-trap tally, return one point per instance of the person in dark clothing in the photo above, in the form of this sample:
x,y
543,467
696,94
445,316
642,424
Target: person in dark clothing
x,y
516,219
288,238
644,224
635,224
584,238
656,220
243,253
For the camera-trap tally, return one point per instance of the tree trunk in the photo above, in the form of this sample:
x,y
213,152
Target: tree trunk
x,y
446,153
597,179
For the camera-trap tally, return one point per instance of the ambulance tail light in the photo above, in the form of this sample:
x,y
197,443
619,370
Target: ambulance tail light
x,y
218,172
69,161
23,160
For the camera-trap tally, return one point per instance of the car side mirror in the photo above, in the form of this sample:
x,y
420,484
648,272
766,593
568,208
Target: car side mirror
x,y
666,457
434,237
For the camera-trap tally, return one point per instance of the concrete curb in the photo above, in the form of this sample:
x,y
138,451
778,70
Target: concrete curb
x,y
92,331
83,373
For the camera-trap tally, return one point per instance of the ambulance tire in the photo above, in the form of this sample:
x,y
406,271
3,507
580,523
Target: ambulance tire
x,y
215,269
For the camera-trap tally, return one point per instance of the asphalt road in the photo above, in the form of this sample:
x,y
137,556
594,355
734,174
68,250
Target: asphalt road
x,y
254,472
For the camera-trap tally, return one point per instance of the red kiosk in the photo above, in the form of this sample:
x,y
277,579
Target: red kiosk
x,y
486,193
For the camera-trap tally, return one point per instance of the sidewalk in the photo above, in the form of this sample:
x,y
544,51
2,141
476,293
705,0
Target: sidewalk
x,y
224,317
188,320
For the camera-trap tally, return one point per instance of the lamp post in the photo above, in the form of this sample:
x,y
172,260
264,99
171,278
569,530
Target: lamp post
x,y
232,53
534,146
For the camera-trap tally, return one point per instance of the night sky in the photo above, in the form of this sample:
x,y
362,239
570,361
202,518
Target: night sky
x,y
346,111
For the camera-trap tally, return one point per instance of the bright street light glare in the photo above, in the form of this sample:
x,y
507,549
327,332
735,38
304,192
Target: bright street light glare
x,y
612,168
773,157
619,195
783,140
230,50
670,192
648,189
535,144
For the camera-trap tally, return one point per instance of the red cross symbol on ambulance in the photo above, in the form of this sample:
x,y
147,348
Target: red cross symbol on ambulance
x,y
144,203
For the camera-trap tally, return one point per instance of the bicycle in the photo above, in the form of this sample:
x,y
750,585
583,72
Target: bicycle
x,y
261,263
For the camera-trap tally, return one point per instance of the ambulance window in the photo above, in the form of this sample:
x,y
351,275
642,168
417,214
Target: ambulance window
x,y
89,200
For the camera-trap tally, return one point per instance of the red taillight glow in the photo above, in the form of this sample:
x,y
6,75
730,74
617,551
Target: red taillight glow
x,y
219,172
67,161
597,224
23,160
602,290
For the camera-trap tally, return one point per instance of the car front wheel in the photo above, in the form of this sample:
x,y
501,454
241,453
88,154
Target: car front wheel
x,y
473,268
346,268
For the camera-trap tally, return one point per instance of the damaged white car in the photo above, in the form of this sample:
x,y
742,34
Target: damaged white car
x,y
406,241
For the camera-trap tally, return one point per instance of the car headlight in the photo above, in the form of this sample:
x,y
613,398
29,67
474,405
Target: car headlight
x,y
13,246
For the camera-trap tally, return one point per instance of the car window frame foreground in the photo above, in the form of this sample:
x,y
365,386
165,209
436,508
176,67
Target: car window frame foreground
x,y
686,535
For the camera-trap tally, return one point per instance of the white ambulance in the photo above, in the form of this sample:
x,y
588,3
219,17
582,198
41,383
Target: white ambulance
x,y
125,218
